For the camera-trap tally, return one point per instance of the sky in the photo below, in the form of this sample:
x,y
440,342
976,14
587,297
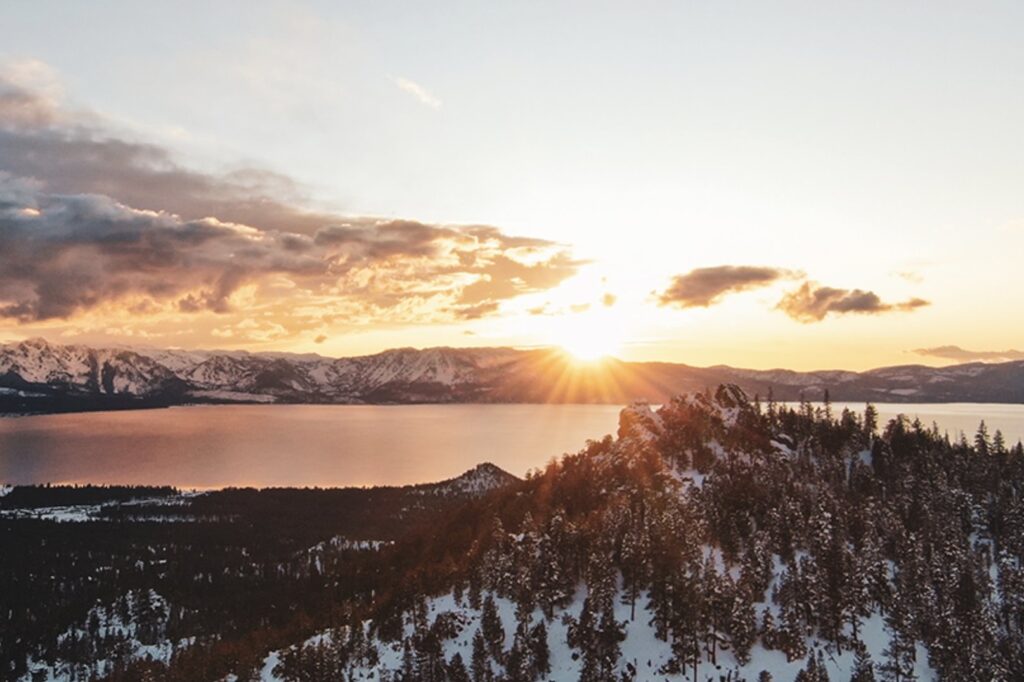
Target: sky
x,y
802,185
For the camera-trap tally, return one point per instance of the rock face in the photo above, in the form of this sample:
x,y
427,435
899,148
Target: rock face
x,y
37,376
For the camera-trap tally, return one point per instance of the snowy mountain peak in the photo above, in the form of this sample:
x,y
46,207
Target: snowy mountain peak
x,y
480,480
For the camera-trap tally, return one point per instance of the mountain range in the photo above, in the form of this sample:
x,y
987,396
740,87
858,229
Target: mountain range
x,y
37,376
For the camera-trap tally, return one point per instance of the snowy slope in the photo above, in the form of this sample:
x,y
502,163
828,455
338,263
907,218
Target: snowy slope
x,y
643,653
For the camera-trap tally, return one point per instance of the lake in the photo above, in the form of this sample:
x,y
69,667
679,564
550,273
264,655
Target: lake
x,y
339,445
952,418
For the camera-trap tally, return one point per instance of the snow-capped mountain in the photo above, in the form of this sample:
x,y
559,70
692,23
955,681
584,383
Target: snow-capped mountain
x,y
36,363
38,376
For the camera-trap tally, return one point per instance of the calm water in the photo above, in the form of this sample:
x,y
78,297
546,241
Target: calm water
x,y
307,445
292,445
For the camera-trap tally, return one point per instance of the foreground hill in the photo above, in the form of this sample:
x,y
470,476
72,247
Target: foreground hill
x,y
37,376
713,540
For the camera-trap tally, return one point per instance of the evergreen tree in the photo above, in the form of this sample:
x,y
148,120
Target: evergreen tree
x,y
493,631
480,664
982,444
457,669
863,668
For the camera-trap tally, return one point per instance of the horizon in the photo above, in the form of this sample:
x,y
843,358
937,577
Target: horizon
x,y
751,187
594,362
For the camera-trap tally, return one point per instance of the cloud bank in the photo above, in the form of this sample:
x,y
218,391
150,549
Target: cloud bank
x,y
963,355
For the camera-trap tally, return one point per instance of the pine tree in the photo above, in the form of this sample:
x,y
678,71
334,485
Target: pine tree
x,y
480,663
902,651
863,668
742,627
494,632
998,443
539,648
982,444
457,669
870,422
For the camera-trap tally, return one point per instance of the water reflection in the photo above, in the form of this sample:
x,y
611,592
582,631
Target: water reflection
x,y
312,445
292,445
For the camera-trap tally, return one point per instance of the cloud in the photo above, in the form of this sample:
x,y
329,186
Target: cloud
x,y
64,254
608,300
910,276
811,303
475,312
417,91
704,287
77,153
962,355
94,226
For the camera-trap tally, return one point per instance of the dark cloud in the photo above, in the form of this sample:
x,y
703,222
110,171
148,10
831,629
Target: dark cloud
x,y
963,355
88,218
811,303
320,338
60,255
704,287
66,254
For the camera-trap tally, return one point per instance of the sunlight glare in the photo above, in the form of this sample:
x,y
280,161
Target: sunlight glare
x,y
588,337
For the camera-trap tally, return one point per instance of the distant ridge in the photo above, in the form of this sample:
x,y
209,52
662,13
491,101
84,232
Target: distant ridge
x,y
39,377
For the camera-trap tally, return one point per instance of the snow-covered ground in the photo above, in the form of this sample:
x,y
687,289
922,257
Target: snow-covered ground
x,y
642,650
79,513
137,622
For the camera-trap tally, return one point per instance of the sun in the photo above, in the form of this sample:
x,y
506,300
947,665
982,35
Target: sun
x,y
588,338
586,349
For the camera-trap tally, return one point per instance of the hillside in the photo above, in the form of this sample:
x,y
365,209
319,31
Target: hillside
x,y
37,376
714,540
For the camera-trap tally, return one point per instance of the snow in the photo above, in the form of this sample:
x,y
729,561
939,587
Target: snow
x,y
112,625
69,514
641,421
340,542
271,662
481,479
784,448
641,648
5,490
80,513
